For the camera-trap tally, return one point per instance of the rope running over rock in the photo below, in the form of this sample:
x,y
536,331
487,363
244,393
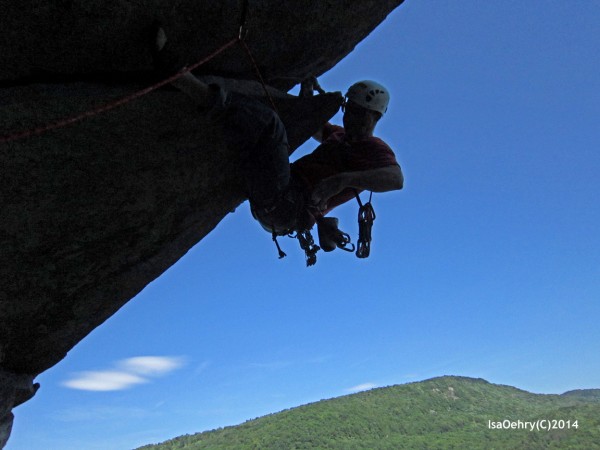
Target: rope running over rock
x,y
111,105
119,102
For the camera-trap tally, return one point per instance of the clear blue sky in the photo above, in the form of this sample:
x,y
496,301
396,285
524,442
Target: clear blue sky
x,y
486,265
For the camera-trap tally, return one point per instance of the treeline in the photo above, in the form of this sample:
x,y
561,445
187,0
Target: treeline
x,y
442,413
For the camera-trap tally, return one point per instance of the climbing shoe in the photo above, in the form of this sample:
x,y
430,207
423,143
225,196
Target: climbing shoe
x,y
166,61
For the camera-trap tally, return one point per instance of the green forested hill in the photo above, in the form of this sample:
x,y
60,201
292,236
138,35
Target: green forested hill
x,y
441,413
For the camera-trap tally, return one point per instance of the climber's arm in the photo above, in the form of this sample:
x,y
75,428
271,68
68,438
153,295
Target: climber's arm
x,y
383,179
307,89
318,136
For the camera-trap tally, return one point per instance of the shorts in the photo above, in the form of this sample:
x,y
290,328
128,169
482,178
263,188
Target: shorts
x,y
258,134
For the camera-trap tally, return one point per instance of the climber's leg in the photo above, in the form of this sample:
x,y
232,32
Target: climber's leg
x,y
167,63
250,126
266,163
195,89
259,136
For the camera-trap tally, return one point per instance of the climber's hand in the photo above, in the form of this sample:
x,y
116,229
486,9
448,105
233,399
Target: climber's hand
x,y
326,189
317,87
309,85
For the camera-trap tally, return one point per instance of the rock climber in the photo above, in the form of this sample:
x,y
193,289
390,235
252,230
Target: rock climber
x,y
287,198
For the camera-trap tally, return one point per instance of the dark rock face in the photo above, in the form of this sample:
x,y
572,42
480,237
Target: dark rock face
x,y
93,212
290,39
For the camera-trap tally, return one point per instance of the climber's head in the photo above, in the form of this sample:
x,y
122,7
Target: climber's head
x,y
366,102
370,95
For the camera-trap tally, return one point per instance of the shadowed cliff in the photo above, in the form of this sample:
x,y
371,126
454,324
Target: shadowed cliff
x,y
93,212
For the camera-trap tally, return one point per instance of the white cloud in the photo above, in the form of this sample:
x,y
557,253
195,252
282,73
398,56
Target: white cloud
x,y
361,387
129,372
151,365
107,380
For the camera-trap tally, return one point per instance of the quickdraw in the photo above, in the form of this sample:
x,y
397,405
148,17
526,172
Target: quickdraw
x,y
282,254
336,238
366,217
307,243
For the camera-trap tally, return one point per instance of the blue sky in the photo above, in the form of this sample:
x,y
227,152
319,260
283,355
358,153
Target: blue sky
x,y
486,265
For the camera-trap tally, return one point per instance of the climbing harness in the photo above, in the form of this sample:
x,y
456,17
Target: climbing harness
x,y
305,239
366,217
330,236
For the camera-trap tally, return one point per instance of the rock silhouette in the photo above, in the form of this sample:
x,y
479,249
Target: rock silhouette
x,y
94,211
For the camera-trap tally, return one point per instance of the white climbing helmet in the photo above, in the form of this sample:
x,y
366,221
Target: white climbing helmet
x,y
370,95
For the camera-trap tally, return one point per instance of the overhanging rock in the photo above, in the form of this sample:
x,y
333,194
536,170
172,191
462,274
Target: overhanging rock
x,y
93,212
291,39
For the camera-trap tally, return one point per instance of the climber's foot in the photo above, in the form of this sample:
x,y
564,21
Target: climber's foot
x,y
166,61
160,39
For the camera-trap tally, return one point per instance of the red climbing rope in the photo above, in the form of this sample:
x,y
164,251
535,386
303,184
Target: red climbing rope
x,y
111,105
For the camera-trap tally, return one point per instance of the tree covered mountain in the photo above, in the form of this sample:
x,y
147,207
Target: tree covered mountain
x,y
441,413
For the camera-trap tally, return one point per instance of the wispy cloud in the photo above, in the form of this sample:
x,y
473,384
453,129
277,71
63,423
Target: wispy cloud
x,y
361,387
128,373
202,367
283,364
150,365
272,365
